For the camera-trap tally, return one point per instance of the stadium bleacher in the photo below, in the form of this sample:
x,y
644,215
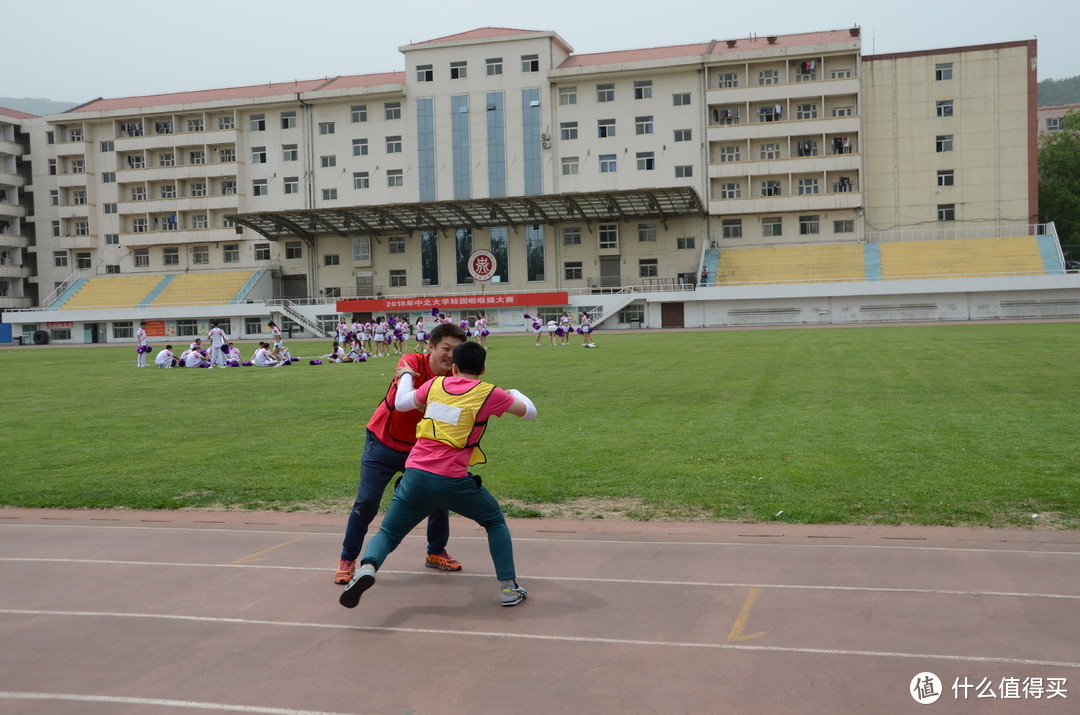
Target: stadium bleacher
x,y
1016,255
111,292
144,290
796,264
202,288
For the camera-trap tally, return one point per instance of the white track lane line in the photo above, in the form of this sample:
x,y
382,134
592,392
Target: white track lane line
x,y
538,637
580,579
122,700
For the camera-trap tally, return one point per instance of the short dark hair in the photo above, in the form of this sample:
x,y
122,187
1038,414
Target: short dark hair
x,y
442,331
168,347
469,357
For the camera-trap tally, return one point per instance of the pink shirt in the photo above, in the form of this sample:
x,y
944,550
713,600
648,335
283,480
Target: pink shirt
x,y
431,455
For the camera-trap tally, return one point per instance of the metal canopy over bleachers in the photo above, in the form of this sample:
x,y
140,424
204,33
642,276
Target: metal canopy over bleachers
x,y
660,204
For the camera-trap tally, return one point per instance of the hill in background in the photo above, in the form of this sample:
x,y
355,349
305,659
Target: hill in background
x,y
1053,92
36,106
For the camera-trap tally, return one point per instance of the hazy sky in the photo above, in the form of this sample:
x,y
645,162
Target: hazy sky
x,y
73,50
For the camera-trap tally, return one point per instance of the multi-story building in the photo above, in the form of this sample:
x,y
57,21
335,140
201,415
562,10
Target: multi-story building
x,y
1050,117
579,173
15,257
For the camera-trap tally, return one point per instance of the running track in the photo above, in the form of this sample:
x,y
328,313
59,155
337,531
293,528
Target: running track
x,y
181,612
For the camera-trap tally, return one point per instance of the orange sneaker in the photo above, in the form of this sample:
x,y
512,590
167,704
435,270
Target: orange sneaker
x,y
345,569
443,562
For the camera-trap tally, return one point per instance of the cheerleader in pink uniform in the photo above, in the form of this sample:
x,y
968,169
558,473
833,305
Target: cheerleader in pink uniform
x,y
421,335
566,326
586,331
537,327
481,330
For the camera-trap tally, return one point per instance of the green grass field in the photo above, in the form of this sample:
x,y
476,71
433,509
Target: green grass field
x,y
970,425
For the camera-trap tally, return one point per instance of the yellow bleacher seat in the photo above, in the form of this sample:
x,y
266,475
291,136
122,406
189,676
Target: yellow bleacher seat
x,y
202,288
784,264
969,256
112,291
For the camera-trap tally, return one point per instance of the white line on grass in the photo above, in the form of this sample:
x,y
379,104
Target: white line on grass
x,y
539,637
122,700
643,542
580,579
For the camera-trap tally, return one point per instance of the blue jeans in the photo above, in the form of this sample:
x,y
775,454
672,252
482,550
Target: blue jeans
x,y
378,465
421,492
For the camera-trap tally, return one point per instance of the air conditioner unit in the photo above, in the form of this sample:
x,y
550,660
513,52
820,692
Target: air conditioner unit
x,y
544,137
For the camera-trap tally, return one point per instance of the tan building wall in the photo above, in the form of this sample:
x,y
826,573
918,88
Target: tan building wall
x,y
969,111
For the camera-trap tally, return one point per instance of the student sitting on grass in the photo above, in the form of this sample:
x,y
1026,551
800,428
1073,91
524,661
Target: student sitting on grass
x,y
456,411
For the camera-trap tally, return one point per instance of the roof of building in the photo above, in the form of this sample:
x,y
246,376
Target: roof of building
x,y
15,113
658,203
480,33
712,48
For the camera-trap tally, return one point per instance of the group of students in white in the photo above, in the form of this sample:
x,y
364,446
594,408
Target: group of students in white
x,y
385,337
559,331
222,352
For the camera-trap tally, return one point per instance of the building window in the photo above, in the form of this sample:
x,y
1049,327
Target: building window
x,y
326,127
568,130
768,77
331,259
258,155
843,111
294,249
139,225
187,327
530,63
78,198
944,108
108,177
123,330
329,194
170,256
840,74
806,111
231,252
112,239
684,135
200,221
648,268
571,236
946,212
731,228
730,153
138,193
567,95
258,188
605,128
167,192
643,89
398,279
226,155
328,161
225,123
288,120
56,228
731,190
228,187
643,125
361,249
646,232
770,188
396,244
359,113
1053,124
393,145
809,225
770,151
570,165
359,147
943,71
607,164
289,152
425,73
808,186
292,184
459,70
646,161
772,226
728,80
681,99
605,92
845,226
392,110
609,235
200,255
946,178
683,243
361,180
944,143
252,326
262,251
107,146
395,177
572,270
257,122
60,259
142,257
493,65
54,197
166,159
60,333
684,172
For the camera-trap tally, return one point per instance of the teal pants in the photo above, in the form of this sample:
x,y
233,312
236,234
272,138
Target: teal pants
x,y
421,493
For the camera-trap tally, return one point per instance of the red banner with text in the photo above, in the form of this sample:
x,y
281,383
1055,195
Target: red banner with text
x,y
454,303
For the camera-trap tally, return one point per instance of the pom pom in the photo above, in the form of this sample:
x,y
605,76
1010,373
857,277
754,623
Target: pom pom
x,y
434,312
484,332
294,360
528,317
246,363
315,362
579,331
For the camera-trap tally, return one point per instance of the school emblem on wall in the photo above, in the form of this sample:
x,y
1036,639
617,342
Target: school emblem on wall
x,y
482,265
